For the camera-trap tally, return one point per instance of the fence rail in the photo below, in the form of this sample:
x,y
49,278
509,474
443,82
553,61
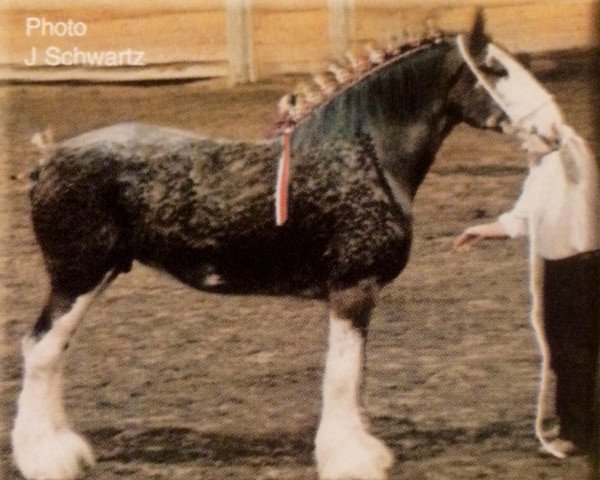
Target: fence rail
x,y
249,39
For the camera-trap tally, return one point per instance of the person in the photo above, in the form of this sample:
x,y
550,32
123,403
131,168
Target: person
x,y
559,199
558,211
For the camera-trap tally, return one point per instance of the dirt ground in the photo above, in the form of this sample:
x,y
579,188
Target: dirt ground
x,y
171,383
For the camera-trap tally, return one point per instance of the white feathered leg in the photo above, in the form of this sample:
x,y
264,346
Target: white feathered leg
x,y
344,447
44,445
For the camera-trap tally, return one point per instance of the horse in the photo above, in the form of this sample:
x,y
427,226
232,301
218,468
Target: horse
x,y
202,210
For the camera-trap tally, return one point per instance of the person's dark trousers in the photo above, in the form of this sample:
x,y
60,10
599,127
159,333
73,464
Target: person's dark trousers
x,y
571,320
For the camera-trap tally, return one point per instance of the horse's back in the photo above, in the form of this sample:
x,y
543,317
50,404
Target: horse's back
x,y
130,133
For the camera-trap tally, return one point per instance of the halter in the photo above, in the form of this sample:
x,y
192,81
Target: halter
x,y
520,96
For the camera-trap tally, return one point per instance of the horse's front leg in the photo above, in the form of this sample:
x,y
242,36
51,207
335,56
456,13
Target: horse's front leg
x,y
344,448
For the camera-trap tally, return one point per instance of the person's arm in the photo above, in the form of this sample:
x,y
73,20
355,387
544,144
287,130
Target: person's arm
x,y
511,224
471,235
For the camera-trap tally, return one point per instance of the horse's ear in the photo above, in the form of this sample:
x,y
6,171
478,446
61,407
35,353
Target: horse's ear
x,y
478,39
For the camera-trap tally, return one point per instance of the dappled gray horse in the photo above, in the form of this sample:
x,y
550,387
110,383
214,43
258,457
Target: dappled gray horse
x,y
203,211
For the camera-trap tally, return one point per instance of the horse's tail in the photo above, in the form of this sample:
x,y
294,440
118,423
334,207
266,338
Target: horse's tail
x,y
44,141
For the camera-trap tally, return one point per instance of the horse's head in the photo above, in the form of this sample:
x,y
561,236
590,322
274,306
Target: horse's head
x,y
495,90
470,102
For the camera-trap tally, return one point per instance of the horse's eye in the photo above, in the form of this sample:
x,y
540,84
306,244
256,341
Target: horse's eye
x,y
493,68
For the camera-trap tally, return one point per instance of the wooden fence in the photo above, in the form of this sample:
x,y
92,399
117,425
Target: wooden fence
x,y
250,39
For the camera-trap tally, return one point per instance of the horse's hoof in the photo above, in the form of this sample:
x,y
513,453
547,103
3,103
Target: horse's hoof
x,y
57,455
560,448
352,456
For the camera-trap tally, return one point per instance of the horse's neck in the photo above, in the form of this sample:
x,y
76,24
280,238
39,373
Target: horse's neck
x,y
403,114
407,151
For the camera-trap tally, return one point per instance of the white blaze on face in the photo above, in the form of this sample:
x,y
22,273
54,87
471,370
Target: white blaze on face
x,y
524,100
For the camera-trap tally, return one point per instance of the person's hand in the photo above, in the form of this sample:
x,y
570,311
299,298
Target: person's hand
x,y
536,146
466,239
472,235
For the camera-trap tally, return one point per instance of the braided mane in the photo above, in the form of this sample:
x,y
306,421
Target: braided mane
x,y
295,107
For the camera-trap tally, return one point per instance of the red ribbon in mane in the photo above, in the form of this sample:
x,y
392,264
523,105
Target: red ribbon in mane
x,y
283,178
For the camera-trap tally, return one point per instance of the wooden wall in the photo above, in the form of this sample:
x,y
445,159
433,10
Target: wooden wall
x,y
520,25
179,40
250,39
290,36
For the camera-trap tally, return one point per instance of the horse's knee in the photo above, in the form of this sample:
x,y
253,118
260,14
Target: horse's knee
x,y
355,303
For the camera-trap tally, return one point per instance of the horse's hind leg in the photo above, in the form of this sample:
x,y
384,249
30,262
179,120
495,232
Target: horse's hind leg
x,y
344,448
44,446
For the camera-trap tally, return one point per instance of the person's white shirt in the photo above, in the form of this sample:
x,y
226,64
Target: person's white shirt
x,y
558,206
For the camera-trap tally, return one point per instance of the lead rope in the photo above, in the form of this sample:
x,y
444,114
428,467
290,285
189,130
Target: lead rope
x,y
283,180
